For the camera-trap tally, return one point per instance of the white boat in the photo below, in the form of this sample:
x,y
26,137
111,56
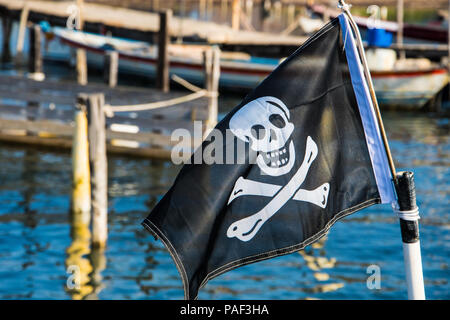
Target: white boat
x,y
238,70
410,87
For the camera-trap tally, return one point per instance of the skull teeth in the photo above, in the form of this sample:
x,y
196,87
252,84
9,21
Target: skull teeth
x,y
276,153
277,158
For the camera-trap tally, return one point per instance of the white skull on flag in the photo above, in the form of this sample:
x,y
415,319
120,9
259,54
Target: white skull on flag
x,y
265,124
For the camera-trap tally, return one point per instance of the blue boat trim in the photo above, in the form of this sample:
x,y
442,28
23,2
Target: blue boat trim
x,y
372,131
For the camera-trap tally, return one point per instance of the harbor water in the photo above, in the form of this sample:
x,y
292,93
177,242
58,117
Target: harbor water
x,y
39,244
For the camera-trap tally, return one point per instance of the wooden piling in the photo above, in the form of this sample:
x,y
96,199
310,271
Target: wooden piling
x,y
110,69
202,9
6,49
155,5
277,10
210,9
81,187
81,65
80,20
249,10
163,52
211,67
290,14
98,164
400,8
34,70
35,57
235,14
223,10
21,34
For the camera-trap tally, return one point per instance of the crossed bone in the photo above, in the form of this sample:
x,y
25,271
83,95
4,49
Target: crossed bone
x,y
246,228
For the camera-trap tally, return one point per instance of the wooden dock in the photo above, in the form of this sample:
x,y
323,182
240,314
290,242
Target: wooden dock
x,y
42,113
141,25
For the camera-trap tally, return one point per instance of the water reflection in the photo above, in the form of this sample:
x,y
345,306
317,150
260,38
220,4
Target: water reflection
x,y
77,264
430,129
316,260
83,264
37,245
28,174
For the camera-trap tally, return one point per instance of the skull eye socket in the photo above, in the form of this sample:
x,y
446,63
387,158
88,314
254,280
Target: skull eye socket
x,y
258,131
277,120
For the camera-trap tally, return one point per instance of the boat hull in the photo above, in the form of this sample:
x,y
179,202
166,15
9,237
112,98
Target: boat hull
x,y
236,74
408,89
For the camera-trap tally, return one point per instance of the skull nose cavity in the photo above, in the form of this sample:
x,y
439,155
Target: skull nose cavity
x,y
258,131
277,120
273,135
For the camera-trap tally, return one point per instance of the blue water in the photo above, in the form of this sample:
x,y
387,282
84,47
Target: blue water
x,y
38,241
35,232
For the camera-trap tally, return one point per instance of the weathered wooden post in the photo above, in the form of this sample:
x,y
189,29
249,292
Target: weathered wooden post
x,y
400,7
263,13
249,10
163,51
81,65
235,14
110,68
80,22
81,190
290,14
277,10
223,10
155,5
81,60
7,28
98,164
202,9
211,63
214,87
21,35
35,57
210,9
34,70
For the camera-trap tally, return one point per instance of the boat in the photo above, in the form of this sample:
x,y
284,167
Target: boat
x,y
406,85
238,70
430,32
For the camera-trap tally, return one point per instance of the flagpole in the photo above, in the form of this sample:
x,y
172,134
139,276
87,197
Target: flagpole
x,y
408,213
407,209
346,8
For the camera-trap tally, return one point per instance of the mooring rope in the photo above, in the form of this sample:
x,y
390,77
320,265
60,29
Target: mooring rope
x,y
197,93
157,104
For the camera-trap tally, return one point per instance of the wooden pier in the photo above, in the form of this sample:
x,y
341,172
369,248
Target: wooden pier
x,y
42,113
93,119
144,26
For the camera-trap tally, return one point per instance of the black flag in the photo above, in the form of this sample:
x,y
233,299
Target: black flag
x,y
313,154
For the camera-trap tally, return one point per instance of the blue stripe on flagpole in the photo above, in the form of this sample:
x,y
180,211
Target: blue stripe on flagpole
x,y
372,131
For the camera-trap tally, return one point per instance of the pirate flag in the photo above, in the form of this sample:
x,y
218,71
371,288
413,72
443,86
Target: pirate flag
x,y
312,154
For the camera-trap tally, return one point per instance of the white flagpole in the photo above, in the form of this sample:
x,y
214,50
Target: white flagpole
x,y
407,210
408,213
